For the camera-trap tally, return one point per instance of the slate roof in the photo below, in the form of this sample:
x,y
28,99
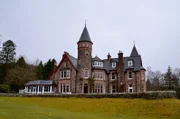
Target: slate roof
x,y
134,52
85,36
96,58
107,65
73,60
39,82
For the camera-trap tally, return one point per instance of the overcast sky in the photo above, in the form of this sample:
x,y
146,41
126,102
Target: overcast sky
x,y
44,29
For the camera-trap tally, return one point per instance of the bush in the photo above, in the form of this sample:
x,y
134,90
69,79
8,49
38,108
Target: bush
x,y
178,93
4,88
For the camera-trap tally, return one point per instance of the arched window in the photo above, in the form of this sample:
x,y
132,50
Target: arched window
x,y
86,73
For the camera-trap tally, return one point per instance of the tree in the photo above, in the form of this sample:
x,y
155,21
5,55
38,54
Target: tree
x,y
40,70
21,62
48,67
7,58
168,77
176,76
148,85
154,79
8,53
18,76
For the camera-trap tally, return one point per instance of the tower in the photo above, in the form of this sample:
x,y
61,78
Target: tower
x,y
84,62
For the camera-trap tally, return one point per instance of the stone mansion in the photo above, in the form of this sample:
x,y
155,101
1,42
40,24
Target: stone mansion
x,y
85,74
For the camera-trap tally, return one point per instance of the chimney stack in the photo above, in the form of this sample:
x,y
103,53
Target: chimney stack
x,y
121,80
109,57
120,57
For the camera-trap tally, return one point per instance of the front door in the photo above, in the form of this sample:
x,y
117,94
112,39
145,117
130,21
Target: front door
x,y
85,88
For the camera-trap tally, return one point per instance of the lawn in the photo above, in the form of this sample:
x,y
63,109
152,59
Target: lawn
x,y
83,108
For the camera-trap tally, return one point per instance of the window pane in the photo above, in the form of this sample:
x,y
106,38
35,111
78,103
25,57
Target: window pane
x,y
64,74
68,74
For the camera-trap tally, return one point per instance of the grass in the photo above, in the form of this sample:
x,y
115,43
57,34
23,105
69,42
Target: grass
x,y
77,108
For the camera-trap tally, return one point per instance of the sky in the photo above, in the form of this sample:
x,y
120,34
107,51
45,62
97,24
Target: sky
x,y
44,29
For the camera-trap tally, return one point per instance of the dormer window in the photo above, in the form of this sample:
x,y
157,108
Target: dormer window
x,y
130,63
97,64
113,64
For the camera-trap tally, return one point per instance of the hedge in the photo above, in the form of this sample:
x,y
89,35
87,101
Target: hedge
x,y
146,95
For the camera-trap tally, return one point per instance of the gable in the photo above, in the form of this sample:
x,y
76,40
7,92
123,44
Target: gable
x,y
64,63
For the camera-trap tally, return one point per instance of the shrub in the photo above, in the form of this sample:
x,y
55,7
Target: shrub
x,y
4,88
178,93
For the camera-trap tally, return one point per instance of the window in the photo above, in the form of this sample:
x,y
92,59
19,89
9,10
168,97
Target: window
x,y
130,63
142,75
130,88
98,88
87,53
64,88
98,75
67,87
113,88
113,64
46,88
40,88
142,88
113,76
65,74
86,73
130,75
97,64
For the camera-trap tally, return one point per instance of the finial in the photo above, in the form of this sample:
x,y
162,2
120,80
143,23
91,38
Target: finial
x,y
85,22
120,51
134,42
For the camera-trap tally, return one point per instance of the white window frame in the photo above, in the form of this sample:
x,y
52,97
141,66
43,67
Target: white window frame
x,y
98,88
113,64
63,74
97,64
130,63
98,75
65,88
68,74
130,88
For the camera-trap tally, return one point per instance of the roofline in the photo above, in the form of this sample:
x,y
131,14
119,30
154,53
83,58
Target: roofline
x,y
55,70
85,41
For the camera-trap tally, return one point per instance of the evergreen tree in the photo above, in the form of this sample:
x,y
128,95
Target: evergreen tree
x,y
21,62
48,67
168,77
8,53
7,58
40,71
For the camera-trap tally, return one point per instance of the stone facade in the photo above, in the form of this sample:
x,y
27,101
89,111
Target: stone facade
x,y
94,75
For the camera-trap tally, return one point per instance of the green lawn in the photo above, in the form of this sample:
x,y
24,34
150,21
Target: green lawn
x,y
83,108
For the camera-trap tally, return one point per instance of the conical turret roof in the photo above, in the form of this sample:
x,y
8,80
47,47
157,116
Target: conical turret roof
x,y
134,52
85,36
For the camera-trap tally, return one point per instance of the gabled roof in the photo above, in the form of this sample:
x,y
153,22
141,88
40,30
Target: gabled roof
x,y
85,36
39,82
134,52
96,58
